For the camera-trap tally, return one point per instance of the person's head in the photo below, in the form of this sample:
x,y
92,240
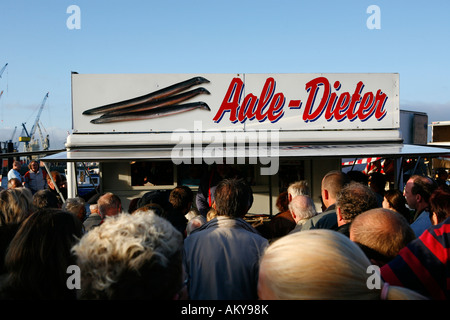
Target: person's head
x,y
232,198
153,208
332,183
381,233
14,183
283,202
377,182
352,200
418,190
133,205
358,176
33,166
16,165
394,200
45,199
158,197
56,177
441,175
319,265
302,208
109,205
440,205
136,256
298,188
181,199
93,208
76,206
39,254
15,205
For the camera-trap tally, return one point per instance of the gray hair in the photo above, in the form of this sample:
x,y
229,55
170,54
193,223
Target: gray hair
x,y
143,248
303,207
299,188
73,204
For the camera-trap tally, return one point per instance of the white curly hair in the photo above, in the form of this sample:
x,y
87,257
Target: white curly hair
x,y
127,248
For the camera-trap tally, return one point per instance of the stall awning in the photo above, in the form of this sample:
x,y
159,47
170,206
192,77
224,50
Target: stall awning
x,y
361,161
214,152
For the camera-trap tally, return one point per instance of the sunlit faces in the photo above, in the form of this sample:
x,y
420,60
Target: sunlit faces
x,y
409,196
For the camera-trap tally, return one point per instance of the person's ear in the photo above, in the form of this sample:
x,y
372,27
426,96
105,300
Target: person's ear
x,y
419,198
339,214
326,195
434,219
292,214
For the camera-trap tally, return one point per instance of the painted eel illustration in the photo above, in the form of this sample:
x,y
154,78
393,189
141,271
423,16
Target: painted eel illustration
x,y
159,103
153,113
151,97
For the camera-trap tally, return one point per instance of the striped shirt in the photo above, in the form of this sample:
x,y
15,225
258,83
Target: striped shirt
x,y
424,264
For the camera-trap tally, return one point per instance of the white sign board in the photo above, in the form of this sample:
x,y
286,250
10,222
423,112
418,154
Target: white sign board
x,y
148,103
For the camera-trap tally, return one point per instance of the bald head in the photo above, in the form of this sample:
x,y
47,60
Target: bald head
x,y
109,205
381,232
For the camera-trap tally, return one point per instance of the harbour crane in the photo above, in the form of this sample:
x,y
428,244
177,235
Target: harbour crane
x,y
3,69
29,137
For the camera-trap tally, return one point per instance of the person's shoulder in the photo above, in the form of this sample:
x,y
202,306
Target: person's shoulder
x,y
440,232
328,214
92,219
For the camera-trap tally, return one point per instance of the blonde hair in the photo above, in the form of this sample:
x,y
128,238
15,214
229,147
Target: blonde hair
x,y
211,214
142,244
15,205
321,265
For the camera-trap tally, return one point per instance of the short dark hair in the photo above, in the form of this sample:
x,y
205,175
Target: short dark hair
x,y
424,186
233,198
334,181
180,197
440,203
45,199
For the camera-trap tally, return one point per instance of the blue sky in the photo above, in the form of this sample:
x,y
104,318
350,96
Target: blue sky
x,y
214,36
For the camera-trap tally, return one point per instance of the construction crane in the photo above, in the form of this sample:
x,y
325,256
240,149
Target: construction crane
x,y
3,69
30,135
44,141
10,140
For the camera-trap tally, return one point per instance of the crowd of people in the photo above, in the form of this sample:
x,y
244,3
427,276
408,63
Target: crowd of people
x,y
162,247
